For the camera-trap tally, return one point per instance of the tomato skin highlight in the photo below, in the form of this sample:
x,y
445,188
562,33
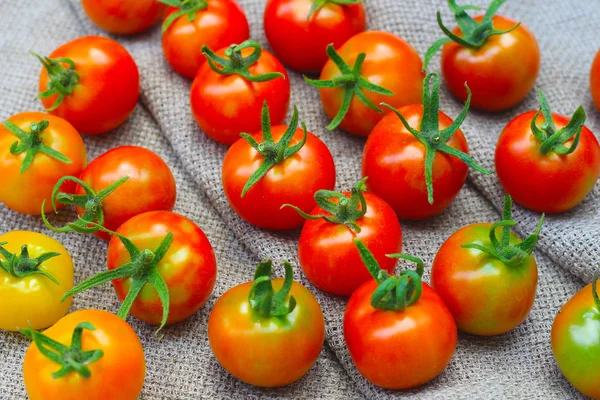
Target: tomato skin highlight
x,y
394,161
399,349
267,352
118,375
328,255
26,192
222,23
301,44
226,105
576,342
595,81
391,63
294,181
189,267
549,183
485,296
125,17
500,74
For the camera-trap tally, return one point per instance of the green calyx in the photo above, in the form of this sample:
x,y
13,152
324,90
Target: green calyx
x,y
90,202
22,266
346,211
62,80
263,299
238,64
554,140
189,8
31,143
142,270
430,135
474,34
318,4
503,250
273,152
71,358
594,289
394,292
351,82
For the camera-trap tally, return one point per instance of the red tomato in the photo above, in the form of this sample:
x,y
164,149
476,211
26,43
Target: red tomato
x,y
546,178
100,84
299,39
391,65
224,105
25,185
294,179
124,17
215,23
595,81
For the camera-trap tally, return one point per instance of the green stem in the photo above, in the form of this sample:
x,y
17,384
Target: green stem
x,y
318,4
21,266
594,289
62,80
262,297
188,8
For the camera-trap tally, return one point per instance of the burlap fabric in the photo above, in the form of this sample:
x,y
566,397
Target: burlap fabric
x,y
517,365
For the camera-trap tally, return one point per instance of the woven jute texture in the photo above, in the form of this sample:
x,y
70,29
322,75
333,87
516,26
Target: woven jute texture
x,y
517,365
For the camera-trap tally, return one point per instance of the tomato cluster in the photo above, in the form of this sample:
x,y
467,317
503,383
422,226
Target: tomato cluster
x,y
400,332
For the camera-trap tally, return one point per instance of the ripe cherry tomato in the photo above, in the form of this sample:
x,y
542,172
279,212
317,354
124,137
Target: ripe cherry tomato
x,y
124,17
396,159
263,342
300,30
550,168
488,284
595,81
352,85
191,24
227,99
48,148
35,272
326,249
276,166
100,357
576,340
162,267
92,82
404,339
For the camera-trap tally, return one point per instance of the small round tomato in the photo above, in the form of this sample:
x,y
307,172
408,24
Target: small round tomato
x,y
545,172
576,341
300,30
92,82
488,284
262,342
35,272
352,85
47,148
100,358
595,81
277,166
227,99
404,339
124,17
196,23
326,249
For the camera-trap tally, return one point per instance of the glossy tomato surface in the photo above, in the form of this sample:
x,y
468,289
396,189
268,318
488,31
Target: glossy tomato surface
x,y
266,351
500,73
595,81
124,16
391,63
550,183
485,296
188,268
25,192
399,349
299,41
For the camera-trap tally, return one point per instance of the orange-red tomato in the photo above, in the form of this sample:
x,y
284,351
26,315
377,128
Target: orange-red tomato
x,y
103,84
124,17
25,192
500,73
300,41
595,81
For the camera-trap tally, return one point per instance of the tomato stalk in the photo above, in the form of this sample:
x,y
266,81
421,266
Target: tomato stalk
x,y
318,4
511,255
351,82
474,34
429,133
594,289
263,298
22,265
189,8
554,140
71,358
62,80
